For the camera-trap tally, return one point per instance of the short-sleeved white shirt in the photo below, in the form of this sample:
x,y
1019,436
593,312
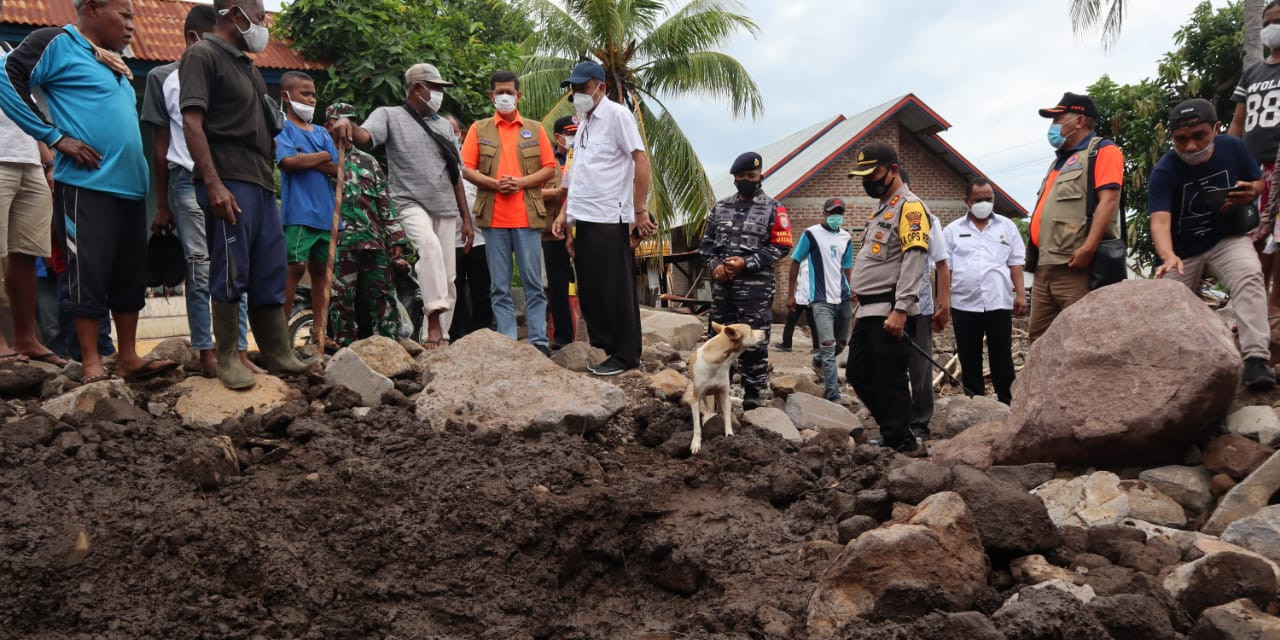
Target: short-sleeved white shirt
x,y
15,145
980,263
178,153
601,180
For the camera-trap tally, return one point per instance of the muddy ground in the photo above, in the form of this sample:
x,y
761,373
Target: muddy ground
x,y
346,527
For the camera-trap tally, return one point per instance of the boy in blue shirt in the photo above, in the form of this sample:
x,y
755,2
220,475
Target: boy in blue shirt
x,y
307,157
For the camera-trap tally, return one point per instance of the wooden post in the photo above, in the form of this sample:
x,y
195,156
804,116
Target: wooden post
x,y
322,314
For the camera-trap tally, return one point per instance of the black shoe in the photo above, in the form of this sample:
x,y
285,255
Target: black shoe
x,y
1257,375
546,351
610,367
782,347
750,399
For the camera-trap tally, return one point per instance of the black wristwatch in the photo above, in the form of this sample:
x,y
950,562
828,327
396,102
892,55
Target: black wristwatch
x,y
47,165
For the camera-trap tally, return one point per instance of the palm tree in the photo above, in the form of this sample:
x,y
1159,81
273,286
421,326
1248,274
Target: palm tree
x,y
650,52
1086,14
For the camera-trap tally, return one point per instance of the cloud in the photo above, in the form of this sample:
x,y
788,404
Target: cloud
x,y
986,71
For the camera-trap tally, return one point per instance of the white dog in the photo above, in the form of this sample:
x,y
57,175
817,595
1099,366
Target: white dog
x,y
709,375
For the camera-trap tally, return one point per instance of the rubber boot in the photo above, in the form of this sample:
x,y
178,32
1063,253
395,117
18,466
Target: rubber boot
x,y
226,331
272,334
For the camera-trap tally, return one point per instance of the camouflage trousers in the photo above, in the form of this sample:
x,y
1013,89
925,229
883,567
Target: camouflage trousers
x,y
363,297
748,302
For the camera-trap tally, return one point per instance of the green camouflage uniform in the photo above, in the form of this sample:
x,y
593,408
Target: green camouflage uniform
x,y
363,278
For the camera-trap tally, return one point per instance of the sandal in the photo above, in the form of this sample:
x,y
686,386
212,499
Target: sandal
x,y
47,357
14,356
150,369
98,378
432,345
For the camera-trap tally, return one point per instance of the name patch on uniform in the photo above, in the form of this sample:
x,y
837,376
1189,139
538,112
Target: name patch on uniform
x,y
487,142
528,143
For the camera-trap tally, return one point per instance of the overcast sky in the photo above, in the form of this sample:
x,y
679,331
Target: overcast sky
x,y
986,71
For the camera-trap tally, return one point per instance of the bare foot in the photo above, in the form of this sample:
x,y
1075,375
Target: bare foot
x,y
208,363
244,359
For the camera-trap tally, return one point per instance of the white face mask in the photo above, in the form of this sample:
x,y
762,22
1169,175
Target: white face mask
x,y
583,102
504,103
304,111
982,210
256,36
1271,36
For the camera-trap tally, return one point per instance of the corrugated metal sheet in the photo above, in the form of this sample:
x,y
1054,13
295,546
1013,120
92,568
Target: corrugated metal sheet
x,y
775,156
158,30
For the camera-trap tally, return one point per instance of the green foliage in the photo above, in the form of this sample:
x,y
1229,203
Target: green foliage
x,y
1205,65
650,52
370,43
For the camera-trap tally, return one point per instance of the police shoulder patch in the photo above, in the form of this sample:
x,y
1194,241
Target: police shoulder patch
x,y
913,229
780,234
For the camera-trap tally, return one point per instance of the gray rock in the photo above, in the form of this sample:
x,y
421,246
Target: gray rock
x,y
1239,620
1149,505
1009,519
1246,498
210,463
810,412
413,348
18,379
384,356
679,330
1259,532
962,413
775,420
578,356
85,397
1259,422
204,402
348,369
1133,617
29,432
853,526
1188,486
1027,476
489,381
1220,578
1048,614
659,352
1086,501
175,349
917,480
118,410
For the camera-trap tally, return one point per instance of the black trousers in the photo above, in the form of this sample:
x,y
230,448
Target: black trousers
x,y
789,329
877,370
559,274
473,310
997,327
607,289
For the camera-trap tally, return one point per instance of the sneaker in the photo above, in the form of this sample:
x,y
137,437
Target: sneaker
x,y
750,399
782,347
610,367
546,351
1257,375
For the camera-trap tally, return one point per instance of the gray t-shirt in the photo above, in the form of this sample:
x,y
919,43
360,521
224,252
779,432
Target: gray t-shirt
x,y
1259,90
417,175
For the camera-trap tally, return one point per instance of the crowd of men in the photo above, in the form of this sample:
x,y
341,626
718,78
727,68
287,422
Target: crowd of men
x,y
457,217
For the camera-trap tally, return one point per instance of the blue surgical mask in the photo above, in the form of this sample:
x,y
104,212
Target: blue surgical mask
x,y
1056,139
834,222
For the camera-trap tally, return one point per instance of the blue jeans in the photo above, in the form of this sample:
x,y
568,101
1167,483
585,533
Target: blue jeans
x,y
189,218
526,246
832,322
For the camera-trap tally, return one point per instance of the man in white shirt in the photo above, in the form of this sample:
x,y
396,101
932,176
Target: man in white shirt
x,y
607,188
828,250
986,255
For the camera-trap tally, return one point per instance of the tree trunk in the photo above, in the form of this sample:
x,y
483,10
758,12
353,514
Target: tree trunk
x,y
1252,32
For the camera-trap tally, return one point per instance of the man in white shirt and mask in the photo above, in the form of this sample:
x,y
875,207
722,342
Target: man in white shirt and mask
x,y
986,256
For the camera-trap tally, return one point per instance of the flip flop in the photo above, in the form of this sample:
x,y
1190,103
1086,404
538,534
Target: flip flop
x,y
48,357
98,378
432,345
150,369
14,356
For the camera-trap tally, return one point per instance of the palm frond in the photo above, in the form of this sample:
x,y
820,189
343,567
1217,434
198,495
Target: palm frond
x,y
705,73
700,25
557,32
1086,15
540,79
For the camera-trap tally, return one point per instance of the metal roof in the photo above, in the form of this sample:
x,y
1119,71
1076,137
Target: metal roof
x,y
798,157
157,34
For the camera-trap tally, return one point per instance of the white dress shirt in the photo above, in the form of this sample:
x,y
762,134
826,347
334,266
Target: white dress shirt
x,y
601,180
980,261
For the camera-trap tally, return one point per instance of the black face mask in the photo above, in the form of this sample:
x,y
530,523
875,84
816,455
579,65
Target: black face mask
x,y
747,188
876,188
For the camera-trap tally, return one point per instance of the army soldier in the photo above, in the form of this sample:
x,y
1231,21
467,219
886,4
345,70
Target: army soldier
x,y
886,282
746,234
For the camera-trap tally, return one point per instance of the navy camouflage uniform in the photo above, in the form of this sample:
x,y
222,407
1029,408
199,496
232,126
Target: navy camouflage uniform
x,y
759,231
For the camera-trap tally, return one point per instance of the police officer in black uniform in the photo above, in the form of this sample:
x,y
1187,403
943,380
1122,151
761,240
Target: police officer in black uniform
x,y
745,235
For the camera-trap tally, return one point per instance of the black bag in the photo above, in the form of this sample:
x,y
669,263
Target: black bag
x,y
452,159
1109,262
1236,220
166,264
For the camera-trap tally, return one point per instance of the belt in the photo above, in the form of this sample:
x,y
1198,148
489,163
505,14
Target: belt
x,y
888,297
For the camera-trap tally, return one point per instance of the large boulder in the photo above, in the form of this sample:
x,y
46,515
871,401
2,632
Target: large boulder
x,y
384,355
1259,532
1244,499
1100,390
206,403
933,562
962,413
679,330
1239,620
1009,519
488,381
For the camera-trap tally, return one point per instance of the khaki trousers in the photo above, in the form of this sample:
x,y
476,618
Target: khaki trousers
x,y
1056,288
433,238
1234,261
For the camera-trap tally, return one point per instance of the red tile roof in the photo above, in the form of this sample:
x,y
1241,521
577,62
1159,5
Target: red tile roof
x,y
158,30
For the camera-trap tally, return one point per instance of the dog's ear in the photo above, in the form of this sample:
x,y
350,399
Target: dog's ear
x,y
717,327
732,333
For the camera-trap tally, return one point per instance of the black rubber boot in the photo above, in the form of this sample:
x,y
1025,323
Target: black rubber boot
x,y
272,333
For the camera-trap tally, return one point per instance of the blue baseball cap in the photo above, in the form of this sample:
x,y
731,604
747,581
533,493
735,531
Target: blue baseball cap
x,y
582,72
